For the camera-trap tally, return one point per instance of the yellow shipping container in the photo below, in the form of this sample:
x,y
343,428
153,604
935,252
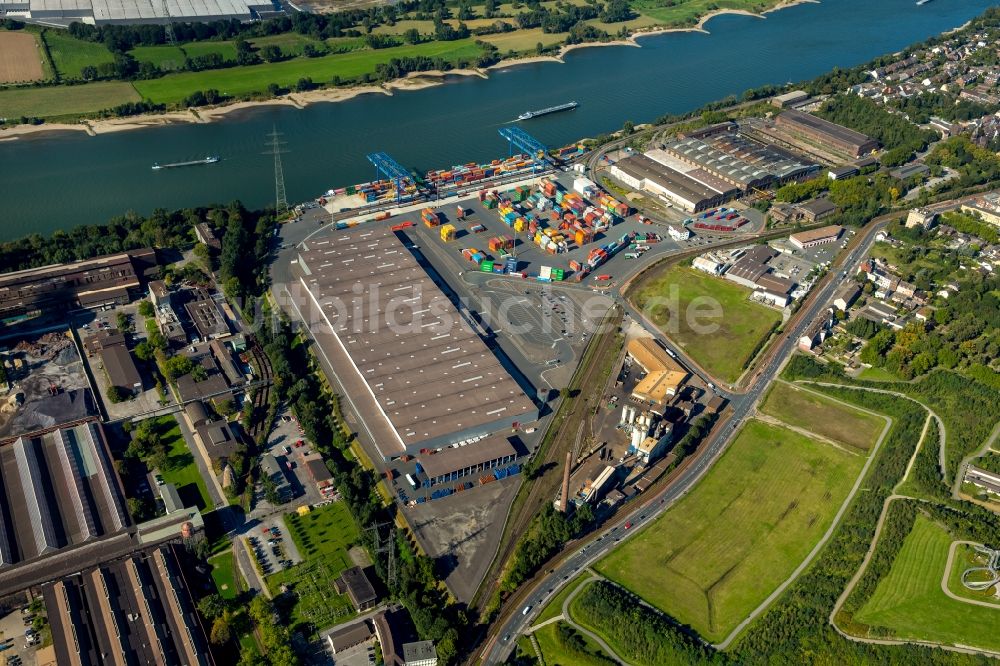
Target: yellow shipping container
x,y
448,233
519,225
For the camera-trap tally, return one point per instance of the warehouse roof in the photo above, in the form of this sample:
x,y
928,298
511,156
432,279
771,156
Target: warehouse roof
x,y
818,124
453,459
774,284
832,230
120,367
663,374
818,207
428,370
644,168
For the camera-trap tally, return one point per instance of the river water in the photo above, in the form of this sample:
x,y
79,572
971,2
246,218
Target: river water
x,y
62,179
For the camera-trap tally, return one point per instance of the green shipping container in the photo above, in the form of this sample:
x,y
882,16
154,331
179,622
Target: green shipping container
x,y
557,274
486,267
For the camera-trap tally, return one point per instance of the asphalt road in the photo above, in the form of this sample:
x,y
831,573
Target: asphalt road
x,y
742,405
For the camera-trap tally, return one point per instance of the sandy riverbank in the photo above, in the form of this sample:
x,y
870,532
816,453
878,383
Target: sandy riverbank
x,y
413,81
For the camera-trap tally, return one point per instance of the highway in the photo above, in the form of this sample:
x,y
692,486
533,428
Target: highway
x,y
520,612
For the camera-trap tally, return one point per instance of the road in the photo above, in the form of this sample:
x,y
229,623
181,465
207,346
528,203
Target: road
x,y
526,603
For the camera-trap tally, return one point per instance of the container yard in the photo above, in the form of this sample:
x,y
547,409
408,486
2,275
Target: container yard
x,y
719,220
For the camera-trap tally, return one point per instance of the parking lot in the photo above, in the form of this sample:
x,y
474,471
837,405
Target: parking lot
x,y
12,634
272,547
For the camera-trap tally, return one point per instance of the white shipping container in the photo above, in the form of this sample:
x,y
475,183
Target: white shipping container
x,y
584,187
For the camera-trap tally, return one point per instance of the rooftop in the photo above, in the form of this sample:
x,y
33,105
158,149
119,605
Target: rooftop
x,y
451,459
663,374
832,230
818,124
429,372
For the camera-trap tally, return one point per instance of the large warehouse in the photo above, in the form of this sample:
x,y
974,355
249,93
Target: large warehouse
x,y
826,133
103,12
376,313
57,490
686,190
138,610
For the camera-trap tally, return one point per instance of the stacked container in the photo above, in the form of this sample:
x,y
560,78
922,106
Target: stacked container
x,y
448,232
429,217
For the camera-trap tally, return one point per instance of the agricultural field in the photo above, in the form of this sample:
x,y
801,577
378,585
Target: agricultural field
x,y
290,43
909,601
734,336
236,81
741,532
345,44
688,12
70,55
225,49
65,101
822,416
557,650
524,40
323,537
20,58
165,57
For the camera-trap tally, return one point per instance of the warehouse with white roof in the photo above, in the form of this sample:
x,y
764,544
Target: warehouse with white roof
x,y
104,12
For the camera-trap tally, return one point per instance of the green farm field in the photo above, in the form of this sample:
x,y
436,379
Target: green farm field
x,y
739,330
524,40
744,528
164,57
225,49
174,88
910,603
65,100
70,55
822,416
688,12
323,537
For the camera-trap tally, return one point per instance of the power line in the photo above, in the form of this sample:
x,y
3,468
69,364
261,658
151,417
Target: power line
x,y
276,147
386,545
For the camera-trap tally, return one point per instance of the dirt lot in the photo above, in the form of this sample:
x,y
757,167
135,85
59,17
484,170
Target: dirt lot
x,y
20,59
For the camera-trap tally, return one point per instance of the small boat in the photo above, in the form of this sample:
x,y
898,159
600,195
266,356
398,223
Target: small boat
x,y
922,2
528,115
212,159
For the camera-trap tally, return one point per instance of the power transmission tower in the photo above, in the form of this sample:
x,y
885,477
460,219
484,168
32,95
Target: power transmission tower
x,y
387,545
276,147
169,28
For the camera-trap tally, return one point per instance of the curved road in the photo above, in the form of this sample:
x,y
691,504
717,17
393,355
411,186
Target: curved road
x,y
521,608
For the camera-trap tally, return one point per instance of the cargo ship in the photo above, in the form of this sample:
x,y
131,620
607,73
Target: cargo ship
x,y
528,115
212,159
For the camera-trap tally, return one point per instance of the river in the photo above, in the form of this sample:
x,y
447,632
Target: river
x,y
61,179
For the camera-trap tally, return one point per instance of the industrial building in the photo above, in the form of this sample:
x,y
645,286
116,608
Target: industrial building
x,y
377,313
829,135
664,375
790,99
734,160
271,470
138,610
355,584
642,173
814,237
986,206
57,489
453,463
206,317
123,12
91,284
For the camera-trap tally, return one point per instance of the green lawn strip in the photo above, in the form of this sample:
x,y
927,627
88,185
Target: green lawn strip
x,y
910,603
194,49
182,471
70,55
877,375
966,557
741,532
345,44
323,537
823,416
556,652
224,574
686,296
65,101
165,57
235,81
290,43
554,607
